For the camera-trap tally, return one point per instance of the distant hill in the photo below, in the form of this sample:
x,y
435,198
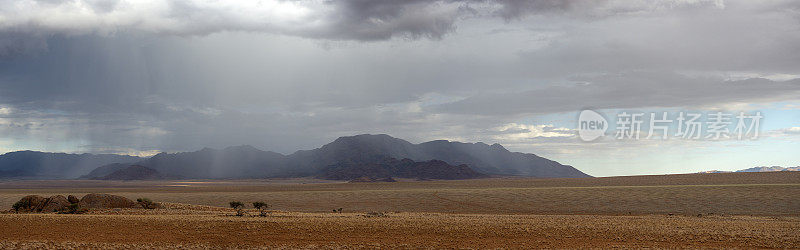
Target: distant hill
x,y
488,159
405,168
132,172
42,165
714,172
102,171
769,169
231,162
756,169
368,179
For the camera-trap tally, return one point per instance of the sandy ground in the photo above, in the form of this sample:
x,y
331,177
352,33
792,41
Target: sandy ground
x,y
185,227
749,210
764,194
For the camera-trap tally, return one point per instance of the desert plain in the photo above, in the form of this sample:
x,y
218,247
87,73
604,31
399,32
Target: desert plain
x,y
729,210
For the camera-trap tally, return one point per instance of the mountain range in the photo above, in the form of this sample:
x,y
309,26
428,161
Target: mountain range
x,y
757,169
42,165
133,172
405,168
375,155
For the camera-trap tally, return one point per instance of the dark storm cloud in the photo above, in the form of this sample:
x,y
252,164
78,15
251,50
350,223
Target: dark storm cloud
x,y
182,75
515,9
78,71
368,20
14,44
383,19
34,21
336,20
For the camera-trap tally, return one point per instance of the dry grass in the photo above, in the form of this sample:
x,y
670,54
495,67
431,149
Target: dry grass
x,y
737,193
171,228
753,210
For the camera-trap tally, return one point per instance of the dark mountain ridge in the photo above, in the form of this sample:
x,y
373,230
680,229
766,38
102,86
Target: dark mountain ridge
x,y
250,162
133,172
231,162
405,168
42,165
488,159
105,170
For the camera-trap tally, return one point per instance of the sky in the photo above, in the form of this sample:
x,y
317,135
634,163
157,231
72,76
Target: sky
x,y
141,77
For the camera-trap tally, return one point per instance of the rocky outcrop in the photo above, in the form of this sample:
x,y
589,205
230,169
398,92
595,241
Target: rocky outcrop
x,y
28,203
72,199
38,204
59,203
106,201
54,204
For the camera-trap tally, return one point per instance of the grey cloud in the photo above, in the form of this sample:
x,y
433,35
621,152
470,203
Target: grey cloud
x,y
384,19
126,85
625,90
103,6
337,20
359,20
515,9
719,41
14,44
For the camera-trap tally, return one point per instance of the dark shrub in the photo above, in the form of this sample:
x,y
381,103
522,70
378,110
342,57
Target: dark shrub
x,y
236,204
147,203
262,207
239,206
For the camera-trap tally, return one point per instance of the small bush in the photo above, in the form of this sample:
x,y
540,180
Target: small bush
x,y
262,207
236,204
239,206
147,203
259,205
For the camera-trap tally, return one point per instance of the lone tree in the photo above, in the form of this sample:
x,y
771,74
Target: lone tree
x,y
262,207
239,206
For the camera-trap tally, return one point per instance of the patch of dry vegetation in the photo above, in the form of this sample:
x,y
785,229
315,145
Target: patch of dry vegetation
x,y
737,194
208,227
730,211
